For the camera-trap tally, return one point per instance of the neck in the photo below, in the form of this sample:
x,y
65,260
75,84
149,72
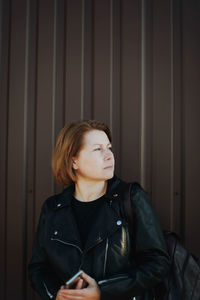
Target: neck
x,y
89,191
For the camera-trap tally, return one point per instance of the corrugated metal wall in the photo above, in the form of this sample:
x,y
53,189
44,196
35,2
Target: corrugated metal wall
x,y
132,64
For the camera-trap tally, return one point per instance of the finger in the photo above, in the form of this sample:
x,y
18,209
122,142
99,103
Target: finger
x,y
79,284
71,297
61,296
85,284
74,292
88,279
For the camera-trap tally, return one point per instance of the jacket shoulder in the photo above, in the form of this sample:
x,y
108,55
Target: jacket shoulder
x,y
140,198
51,202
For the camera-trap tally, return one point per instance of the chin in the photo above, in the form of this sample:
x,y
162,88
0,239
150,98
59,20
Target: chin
x,y
109,175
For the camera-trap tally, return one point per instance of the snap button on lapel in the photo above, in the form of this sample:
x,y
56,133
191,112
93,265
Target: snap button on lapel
x,y
59,204
119,222
98,239
55,232
115,195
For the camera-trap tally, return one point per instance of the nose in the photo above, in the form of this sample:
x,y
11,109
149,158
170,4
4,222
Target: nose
x,y
108,155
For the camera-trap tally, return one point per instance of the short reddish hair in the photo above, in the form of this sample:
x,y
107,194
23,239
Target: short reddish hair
x,y
68,144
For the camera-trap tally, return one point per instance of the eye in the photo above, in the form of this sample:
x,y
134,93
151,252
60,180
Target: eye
x,y
110,148
97,149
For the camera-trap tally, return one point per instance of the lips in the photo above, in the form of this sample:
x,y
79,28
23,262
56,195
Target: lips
x,y
108,167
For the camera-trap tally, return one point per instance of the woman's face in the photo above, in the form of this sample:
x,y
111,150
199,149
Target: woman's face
x,y
95,160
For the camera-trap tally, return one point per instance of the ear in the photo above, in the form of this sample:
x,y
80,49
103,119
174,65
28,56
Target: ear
x,y
74,164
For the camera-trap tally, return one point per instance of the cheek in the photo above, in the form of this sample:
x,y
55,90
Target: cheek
x,y
113,157
91,162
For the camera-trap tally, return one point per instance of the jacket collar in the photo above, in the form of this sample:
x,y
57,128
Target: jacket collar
x,y
64,199
108,215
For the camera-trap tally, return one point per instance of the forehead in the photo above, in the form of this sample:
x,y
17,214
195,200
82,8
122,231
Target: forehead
x,y
95,137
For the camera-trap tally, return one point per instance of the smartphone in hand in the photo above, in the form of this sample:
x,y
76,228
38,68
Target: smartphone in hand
x,y
71,283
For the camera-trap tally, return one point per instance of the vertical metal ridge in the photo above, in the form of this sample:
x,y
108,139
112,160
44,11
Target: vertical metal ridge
x,y
66,51
120,85
54,84
25,170
54,72
182,132
64,62
92,60
82,57
5,32
115,83
35,116
143,95
178,214
172,119
111,65
31,123
7,136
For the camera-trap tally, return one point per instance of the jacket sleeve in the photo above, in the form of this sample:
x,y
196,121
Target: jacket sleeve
x,y
41,275
150,261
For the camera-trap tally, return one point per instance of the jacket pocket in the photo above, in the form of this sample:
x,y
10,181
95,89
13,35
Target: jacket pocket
x,y
66,243
113,279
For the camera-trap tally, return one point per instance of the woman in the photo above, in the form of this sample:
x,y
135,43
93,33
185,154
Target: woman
x,y
83,227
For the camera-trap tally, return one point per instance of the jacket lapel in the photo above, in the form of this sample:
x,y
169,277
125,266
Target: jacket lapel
x,y
107,221
65,227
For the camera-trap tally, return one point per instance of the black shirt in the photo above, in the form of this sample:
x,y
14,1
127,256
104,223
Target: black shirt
x,y
85,214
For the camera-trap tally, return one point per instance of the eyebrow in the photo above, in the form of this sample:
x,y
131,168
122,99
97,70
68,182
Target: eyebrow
x,y
100,144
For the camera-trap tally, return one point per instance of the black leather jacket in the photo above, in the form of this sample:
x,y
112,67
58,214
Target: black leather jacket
x,y
107,256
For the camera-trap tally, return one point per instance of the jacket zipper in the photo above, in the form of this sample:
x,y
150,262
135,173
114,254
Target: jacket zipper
x,y
105,258
112,279
66,243
106,251
47,291
83,253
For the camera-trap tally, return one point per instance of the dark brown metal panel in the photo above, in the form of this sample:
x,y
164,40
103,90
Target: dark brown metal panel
x,y
102,60
147,94
59,66
132,64
163,110
4,94
44,103
15,239
115,85
130,89
177,211
32,15
74,61
87,57
58,93
191,96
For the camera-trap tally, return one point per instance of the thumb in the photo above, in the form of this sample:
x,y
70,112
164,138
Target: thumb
x,y
88,279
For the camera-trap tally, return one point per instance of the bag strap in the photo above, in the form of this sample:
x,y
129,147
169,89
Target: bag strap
x,y
127,206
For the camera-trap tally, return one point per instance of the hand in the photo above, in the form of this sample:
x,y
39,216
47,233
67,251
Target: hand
x,y
91,292
59,294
